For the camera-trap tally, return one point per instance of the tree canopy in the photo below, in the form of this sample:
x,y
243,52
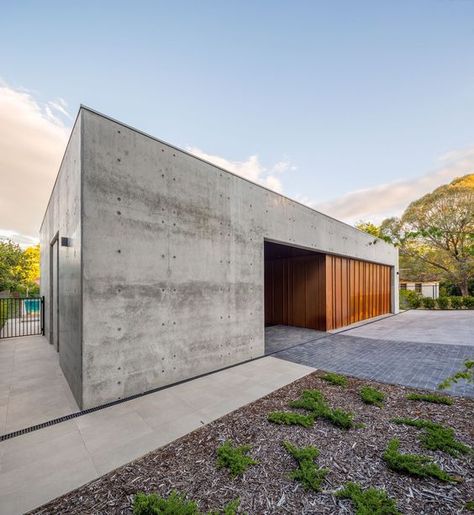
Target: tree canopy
x,y
19,269
435,234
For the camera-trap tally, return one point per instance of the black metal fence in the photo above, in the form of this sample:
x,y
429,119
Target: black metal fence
x,y
21,316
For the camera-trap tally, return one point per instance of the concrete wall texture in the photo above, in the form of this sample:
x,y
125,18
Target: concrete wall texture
x,y
164,278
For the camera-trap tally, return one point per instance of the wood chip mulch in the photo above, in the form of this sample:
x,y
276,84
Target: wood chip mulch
x,y
188,465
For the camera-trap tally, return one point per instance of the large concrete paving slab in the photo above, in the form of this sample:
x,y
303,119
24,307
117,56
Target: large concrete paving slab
x,y
445,327
32,386
39,466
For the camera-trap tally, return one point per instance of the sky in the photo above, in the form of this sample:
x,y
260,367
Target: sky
x,y
354,108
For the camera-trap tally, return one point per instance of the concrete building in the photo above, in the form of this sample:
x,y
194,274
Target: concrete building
x,y
157,266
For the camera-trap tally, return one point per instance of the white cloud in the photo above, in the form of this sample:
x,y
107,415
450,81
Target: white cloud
x,y
251,168
391,199
32,142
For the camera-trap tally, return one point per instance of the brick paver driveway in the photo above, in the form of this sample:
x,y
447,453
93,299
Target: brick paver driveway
x,y
384,351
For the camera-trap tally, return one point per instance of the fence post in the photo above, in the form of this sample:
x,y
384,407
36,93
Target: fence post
x,y
42,315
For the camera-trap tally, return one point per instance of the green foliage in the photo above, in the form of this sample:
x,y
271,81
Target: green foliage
x,y
289,418
372,396
236,459
19,269
428,303
468,302
313,401
430,397
436,437
336,379
456,302
409,299
467,374
370,501
307,473
153,504
232,507
175,504
469,506
443,302
413,464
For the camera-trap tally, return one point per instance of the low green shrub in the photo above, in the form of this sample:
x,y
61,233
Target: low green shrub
x,y
370,501
313,401
372,396
443,302
413,464
430,397
308,473
469,506
409,299
336,379
467,374
428,302
468,302
456,302
175,504
436,437
153,504
290,418
235,458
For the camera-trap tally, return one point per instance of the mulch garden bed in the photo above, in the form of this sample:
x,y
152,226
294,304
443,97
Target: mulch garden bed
x,y
188,465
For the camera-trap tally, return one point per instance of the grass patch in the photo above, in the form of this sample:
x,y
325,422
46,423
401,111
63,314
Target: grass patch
x,y
290,418
313,401
235,459
308,473
336,379
413,464
430,397
175,504
372,396
436,437
469,506
370,501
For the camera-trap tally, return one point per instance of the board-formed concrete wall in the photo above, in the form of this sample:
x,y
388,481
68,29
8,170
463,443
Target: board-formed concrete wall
x,y
63,218
173,265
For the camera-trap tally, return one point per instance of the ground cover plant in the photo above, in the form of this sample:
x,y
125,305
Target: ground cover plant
x,y
467,375
175,504
371,395
414,464
430,397
188,465
308,473
314,401
436,437
234,458
290,418
337,379
370,501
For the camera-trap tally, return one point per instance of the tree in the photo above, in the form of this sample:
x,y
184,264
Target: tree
x,y
19,269
439,231
10,259
435,235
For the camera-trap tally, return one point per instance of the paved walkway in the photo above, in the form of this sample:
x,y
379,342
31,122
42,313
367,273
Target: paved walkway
x,y
445,327
415,348
32,386
42,465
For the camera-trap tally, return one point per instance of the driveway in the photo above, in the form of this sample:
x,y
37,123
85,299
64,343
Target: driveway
x,y
414,348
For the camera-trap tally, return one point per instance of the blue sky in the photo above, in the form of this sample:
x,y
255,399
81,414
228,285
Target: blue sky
x,y
350,95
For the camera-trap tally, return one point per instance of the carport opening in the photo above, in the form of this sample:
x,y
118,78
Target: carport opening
x,y
294,287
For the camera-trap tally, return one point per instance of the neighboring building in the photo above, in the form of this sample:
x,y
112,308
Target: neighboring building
x,y
158,266
424,288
